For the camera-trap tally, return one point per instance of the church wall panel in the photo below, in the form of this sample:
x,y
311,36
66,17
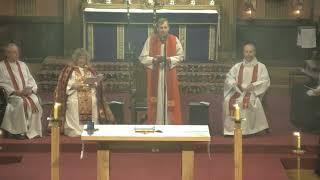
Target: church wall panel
x,y
197,43
7,8
50,7
38,37
136,35
105,42
276,40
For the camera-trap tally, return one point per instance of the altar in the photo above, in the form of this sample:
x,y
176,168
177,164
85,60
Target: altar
x,y
108,137
109,34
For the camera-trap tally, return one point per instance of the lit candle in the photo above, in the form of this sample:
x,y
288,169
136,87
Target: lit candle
x,y
56,108
297,134
237,112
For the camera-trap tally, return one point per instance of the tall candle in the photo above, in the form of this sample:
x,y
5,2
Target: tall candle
x,y
297,134
237,112
56,109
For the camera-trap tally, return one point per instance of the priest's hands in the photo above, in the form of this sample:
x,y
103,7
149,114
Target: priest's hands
x,y
25,92
159,59
250,87
77,86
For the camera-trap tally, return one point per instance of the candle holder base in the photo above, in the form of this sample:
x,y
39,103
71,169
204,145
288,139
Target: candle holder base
x,y
53,122
298,151
238,120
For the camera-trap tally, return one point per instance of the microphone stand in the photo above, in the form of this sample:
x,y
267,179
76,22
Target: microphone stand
x,y
165,106
129,56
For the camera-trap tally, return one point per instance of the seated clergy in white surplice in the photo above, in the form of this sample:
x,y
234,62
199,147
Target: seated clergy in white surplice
x,y
245,84
23,113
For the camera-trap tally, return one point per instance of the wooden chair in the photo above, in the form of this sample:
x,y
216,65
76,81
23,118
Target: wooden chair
x,y
3,105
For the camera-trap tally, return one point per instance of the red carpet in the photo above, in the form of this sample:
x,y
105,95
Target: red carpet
x,y
265,158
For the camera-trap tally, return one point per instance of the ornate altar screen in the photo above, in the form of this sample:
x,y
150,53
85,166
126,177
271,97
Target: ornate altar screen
x,y
108,35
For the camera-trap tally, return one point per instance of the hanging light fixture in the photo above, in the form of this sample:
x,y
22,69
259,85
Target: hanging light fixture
x,y
297,8
212,2
249,7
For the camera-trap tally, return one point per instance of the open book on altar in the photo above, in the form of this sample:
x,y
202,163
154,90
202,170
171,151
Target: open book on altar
x,y
93,80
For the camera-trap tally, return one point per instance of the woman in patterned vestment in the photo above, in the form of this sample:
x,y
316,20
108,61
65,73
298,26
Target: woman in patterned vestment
x,y
80,101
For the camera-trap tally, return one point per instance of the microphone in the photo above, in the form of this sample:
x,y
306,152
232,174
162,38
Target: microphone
x,y
163,38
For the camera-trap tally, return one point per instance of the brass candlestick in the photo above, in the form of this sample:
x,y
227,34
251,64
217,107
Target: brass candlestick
x,y
299,152
298,149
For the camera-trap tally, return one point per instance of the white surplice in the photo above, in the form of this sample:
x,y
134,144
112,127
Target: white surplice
x,y
72,126
15,120
146,60
255,116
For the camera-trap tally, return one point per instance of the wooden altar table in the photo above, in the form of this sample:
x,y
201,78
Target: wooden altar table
x,y
126,136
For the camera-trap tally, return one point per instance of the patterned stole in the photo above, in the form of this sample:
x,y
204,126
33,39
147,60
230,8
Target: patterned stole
x,y
84,95
236,95
26,100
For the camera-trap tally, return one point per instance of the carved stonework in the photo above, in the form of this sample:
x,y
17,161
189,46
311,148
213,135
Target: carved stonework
x,y
193,77
90,41
277,9
183,36
120,42
212,43
26,8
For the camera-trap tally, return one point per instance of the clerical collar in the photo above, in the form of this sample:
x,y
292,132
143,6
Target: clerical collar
x,y
253,62
11,62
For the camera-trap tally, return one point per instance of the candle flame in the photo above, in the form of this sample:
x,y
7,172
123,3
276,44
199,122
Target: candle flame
x,y
296,134
56,104
249,12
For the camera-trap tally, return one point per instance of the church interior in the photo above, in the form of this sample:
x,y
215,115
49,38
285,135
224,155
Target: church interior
x,y
286,34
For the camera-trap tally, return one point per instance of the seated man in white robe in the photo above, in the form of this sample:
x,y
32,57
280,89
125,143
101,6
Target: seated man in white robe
x,y
22,118
245,84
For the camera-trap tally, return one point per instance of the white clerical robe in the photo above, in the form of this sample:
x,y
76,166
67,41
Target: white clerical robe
x,y
255,116
72,126
146,60
16,120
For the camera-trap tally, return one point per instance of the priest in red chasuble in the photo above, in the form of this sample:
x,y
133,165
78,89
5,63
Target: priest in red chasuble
x,y
22,118
161,53
81,100
245,85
